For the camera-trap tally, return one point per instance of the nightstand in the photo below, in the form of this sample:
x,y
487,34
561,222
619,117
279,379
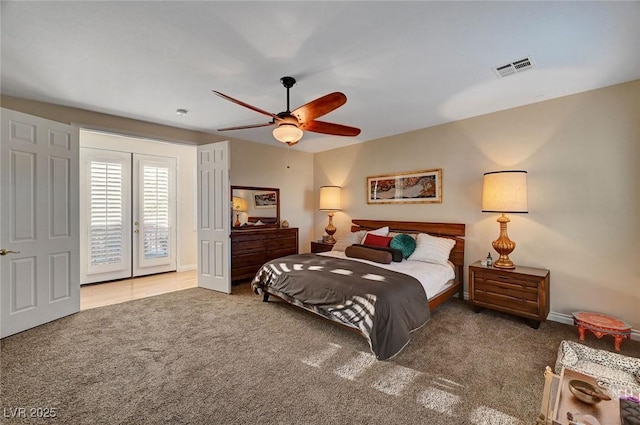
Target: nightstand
x,y
317,246
523,291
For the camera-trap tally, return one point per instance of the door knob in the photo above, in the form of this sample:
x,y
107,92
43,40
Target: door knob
x,y
4,252
136,231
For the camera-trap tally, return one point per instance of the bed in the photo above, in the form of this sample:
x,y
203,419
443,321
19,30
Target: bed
x,y
383,302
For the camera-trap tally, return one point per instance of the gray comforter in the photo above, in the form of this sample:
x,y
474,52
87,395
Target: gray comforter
x,y
384,305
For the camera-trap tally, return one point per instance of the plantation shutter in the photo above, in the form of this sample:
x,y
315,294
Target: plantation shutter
x,y
156,215
105,215
106,229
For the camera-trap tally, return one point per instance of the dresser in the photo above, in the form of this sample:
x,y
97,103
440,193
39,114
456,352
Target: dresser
x,y
523,291
250,249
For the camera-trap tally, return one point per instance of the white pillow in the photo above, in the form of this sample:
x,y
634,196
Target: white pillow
x,y
432,249
346,240
383,231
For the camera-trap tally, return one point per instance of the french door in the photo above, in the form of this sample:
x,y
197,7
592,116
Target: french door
x,y
127,215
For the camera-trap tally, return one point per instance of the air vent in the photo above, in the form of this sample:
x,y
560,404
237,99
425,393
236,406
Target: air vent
x,y
514,67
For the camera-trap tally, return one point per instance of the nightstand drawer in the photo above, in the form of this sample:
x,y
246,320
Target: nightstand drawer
x,y
505,303
317,247
506,289
530,282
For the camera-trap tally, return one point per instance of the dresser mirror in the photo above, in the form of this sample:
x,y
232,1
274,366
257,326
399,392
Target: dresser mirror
x,y
254,207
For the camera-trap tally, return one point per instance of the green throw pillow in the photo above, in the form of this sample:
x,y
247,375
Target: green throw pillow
x,y
404,243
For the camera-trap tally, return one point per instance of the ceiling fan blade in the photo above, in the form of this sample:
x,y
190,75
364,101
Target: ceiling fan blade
x,y
242,127
330,128
319,107
246,105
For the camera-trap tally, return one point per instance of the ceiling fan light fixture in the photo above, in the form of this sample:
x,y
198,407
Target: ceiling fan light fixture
x,y
287,133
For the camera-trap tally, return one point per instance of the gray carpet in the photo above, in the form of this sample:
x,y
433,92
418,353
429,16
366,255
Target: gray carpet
x,y
200,357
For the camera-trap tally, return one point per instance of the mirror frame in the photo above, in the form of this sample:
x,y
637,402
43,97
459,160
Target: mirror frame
x,y
271,189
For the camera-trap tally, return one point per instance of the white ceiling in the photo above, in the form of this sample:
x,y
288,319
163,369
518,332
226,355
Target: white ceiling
x,y
402,65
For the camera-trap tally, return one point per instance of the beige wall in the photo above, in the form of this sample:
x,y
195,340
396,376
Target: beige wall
x,y
582,154
185,155
257,164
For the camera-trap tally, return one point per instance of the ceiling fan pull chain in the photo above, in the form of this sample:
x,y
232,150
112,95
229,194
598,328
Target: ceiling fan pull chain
x,y
288,156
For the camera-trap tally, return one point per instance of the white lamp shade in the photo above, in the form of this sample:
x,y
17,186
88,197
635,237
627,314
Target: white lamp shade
x,y
505,192
330,198
239,204
287,133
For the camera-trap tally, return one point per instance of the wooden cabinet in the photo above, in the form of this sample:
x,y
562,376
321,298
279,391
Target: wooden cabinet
x,y
523,291
317,246
250,249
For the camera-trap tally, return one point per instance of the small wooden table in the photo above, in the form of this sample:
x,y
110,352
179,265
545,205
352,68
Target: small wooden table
x,y
601,324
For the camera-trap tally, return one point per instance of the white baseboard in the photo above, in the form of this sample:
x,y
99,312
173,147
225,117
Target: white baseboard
x,y
187,268
567,319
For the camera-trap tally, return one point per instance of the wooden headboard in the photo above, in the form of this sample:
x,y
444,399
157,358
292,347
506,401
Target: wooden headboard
x,y
453,231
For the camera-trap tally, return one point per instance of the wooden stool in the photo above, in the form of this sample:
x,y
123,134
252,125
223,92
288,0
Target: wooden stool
x,y
601,324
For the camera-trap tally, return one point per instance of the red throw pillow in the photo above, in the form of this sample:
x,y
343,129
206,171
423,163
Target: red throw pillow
x,y
375,240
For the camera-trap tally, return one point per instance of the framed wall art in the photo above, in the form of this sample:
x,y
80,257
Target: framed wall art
x,y
415,187
265,199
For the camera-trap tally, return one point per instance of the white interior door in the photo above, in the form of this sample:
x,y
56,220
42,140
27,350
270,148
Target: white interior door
x,y
105,217
214,221
154,218
39,268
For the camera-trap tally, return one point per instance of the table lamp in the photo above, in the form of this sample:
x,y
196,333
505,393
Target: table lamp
x,y
504,192
330,201
238,207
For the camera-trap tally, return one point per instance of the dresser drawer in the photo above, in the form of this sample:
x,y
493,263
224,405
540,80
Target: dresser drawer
x,y
284,251
245,260
244,272
248,246
279,243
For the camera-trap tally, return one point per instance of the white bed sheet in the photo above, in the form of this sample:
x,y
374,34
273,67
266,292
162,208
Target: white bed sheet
x,y
433,277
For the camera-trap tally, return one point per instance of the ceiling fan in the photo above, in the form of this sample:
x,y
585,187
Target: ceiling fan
x,y
290,124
